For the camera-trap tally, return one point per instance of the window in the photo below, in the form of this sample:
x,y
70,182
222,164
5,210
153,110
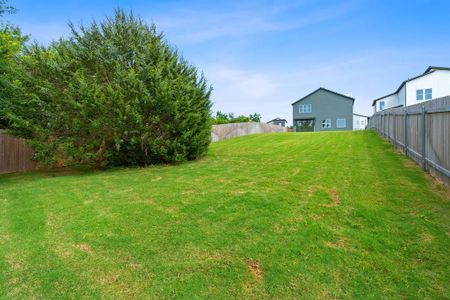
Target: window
x,y
304,108
419,95
341,123
362,122
326,123
428,94
381,105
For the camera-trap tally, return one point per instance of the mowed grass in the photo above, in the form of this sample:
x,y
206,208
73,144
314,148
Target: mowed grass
x,y
308,215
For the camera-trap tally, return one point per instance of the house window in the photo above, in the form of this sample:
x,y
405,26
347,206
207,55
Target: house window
x,y
341,123
326,123
362,122
381,105
419,95
304,108
428,94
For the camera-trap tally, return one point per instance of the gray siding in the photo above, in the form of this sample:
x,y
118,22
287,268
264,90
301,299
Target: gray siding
x,y
326,105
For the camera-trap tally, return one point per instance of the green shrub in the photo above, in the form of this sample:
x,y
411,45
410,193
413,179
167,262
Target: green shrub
x,y
113,93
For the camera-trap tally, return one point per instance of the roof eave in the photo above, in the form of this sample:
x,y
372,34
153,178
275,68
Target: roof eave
x,y
330,91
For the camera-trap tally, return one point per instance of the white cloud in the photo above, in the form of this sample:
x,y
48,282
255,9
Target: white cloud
x,y
194,26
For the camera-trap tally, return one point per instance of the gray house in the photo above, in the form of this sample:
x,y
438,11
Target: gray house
x,y
278,121
323,110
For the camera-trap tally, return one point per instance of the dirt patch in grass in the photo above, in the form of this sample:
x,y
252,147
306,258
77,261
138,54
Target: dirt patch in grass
x,y
334,197
426,238
255,269
410,163
83,247
339,244
238,192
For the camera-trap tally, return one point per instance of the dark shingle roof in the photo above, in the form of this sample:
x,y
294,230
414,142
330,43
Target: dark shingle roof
x,y
327,90
435,68
361,115
277,119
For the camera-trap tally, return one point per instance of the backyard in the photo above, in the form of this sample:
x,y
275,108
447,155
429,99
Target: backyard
x,y
286,215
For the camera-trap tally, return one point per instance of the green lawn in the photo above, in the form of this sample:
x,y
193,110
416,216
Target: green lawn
x,y
290,215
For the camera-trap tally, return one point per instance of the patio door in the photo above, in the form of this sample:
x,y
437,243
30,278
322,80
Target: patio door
x,y
305,125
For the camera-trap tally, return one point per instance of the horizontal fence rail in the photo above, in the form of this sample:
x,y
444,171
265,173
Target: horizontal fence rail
x,y
422,131
15,154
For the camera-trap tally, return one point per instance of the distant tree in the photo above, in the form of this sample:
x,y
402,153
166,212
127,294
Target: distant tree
x,y
255,117
11,45
113,93
224,118
5,8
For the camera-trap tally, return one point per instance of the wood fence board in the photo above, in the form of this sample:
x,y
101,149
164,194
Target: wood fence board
x,y
434,140
15,154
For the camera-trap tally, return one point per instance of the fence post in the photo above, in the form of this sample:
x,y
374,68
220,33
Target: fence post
x,y
394,129
388,127
405,129
424,155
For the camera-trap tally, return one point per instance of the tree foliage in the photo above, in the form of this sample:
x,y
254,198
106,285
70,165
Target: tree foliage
x,y
224,118
113,93
11,44
5,8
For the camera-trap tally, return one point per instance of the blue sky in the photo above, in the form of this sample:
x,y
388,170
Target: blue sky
x,y
260,56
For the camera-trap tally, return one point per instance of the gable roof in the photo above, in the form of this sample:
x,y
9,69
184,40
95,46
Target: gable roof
x,y
373,102
277,119
429,70
360,115
326,90
435,68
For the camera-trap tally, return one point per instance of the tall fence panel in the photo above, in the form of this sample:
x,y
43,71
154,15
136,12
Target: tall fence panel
x,y
422,131
15,154
226,131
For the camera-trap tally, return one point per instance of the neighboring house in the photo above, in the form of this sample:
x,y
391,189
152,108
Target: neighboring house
x,y
278,121
323,110
433,83
360,122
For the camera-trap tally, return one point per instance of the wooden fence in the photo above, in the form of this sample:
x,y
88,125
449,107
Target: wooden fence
x,y
422,131
15,154
231,130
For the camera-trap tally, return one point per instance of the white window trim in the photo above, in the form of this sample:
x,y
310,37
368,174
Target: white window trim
x,y
341,119
425,94
417,95
326,123
305,108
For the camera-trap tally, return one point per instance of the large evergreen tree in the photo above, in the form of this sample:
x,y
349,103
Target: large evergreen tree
x,y
11,44
113,93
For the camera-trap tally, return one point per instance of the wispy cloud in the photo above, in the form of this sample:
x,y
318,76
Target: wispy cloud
x,y
248,84
199,25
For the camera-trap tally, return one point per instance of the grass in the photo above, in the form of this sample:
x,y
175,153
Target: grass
x,y
308,215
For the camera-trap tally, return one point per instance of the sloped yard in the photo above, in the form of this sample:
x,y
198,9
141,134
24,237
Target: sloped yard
x,y
320,215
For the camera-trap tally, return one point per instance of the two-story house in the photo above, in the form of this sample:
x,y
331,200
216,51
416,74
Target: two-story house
x,y
278,121
323,110
433,83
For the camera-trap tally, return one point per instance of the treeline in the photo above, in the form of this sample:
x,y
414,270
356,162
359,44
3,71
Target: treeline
x,y
224,118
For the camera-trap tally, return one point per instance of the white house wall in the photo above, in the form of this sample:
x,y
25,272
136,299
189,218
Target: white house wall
x,y
401,96
389,101
438,81
359,122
